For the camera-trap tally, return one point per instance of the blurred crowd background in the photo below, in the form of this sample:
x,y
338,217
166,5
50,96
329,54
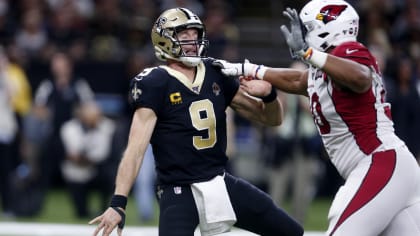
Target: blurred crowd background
x,y
64,72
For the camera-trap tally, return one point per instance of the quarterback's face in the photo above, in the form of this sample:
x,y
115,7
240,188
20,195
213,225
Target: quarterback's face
x,y
188,39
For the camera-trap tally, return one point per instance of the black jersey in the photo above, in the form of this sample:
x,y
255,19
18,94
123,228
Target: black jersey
x,y
189,139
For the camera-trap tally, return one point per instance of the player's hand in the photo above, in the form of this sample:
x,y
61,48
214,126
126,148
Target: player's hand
x,y
236,69
255,87
108,221
295,37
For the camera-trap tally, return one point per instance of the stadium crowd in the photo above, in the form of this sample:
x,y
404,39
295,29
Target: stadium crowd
x,y
58,56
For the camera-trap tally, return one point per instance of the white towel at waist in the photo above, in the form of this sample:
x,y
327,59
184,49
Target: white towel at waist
x,y
215,210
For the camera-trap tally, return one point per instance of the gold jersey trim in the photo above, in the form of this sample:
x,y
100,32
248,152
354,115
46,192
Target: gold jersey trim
x,y
198,81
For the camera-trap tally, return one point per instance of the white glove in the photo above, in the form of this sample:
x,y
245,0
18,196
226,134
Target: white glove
x,y
246,69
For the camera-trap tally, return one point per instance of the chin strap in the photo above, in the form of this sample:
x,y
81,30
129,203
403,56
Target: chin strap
x,y
190,61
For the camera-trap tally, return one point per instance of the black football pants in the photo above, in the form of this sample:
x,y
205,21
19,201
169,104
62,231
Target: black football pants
x,y
254,209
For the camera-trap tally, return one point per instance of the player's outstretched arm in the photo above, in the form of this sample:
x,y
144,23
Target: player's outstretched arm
x,y
286,79
246,69
143,123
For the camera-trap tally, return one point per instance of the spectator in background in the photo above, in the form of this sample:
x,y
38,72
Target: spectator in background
x,y
194,5
55,98
68,28
8,131
140,15
296,153
83,8
231,148
7,23
107,32
88,163
32,35
405,31
220,31
20,88
29,190
18,91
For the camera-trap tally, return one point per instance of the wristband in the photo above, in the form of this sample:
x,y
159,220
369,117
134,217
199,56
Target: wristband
x,y
307,54
260,71
270,97
315,57
118,201
122,214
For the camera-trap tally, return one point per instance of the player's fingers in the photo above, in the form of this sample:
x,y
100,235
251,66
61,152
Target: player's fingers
x,y
244,87
98,228
107,230
226,71
218,63
119,232
285,31
248,78
287,14
230,71
97,219
294,14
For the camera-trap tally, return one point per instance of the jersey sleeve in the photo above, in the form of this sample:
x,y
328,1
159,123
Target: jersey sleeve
x,y
146,90
356,52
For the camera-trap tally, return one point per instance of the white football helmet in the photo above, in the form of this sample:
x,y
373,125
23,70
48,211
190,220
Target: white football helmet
x,y
165,40
329,23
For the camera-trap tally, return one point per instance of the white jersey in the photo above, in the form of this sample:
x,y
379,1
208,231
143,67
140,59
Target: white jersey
x,y
342,117
358,134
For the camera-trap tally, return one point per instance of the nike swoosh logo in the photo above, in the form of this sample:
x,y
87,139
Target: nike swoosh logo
x,y
348,51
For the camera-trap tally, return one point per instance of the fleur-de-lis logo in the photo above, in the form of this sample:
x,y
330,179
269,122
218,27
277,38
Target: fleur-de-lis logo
x,y
159,23
135,92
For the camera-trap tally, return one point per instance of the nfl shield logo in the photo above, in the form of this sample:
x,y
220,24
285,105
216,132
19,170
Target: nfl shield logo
x,y
177,190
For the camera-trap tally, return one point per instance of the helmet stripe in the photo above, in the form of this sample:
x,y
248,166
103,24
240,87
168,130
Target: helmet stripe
x,y
186,12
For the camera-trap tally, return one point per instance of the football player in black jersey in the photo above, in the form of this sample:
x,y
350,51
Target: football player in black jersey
x,y
180,108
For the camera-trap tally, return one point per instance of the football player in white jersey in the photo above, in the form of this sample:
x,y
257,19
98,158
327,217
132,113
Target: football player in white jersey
x,y
381,194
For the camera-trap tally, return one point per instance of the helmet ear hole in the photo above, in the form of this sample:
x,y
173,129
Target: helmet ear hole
x,y
323,35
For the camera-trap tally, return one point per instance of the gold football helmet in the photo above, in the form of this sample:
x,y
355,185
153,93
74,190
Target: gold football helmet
x,y
165,40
